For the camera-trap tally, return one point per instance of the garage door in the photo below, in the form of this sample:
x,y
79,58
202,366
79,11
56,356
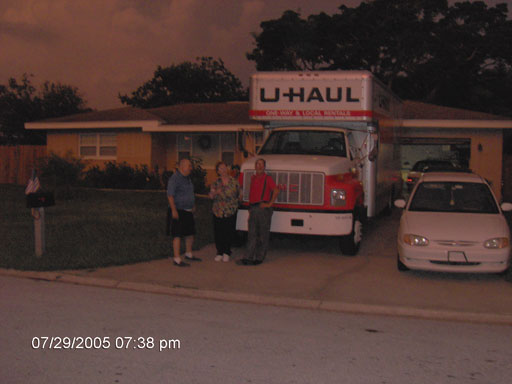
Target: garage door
x,y
415,149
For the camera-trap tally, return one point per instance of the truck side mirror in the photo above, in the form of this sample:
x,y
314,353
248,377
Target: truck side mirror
x,y
372,155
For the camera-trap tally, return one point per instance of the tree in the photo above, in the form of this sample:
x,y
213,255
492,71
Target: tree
x,y
423,49
20,102
206,80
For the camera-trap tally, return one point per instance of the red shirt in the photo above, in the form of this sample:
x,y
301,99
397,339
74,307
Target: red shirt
x,y
257,183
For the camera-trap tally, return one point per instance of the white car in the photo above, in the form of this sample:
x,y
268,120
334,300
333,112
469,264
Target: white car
x,y
452,222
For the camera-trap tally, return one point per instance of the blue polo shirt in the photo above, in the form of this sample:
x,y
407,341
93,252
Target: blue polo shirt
x,y
182,190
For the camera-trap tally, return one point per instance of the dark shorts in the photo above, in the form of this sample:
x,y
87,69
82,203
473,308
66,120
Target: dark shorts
x,y
184,226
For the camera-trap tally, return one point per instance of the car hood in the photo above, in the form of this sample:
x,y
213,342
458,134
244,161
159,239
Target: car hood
x,y
454,226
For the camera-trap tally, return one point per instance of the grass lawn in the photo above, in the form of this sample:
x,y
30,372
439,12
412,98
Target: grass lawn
x,y
93,229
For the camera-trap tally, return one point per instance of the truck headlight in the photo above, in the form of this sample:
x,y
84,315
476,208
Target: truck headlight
x,y
338,197
497,243
415,240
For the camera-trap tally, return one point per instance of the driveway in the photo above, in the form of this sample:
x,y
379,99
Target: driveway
x,y
310,272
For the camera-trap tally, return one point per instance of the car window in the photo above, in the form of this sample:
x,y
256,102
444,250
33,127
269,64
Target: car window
x,y
453,197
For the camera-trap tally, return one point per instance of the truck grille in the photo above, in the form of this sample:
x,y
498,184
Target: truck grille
x,y
296,187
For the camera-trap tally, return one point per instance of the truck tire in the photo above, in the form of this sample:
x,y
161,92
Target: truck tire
x,y
349,244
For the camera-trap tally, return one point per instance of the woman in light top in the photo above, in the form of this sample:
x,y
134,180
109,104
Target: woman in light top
x,y
225,193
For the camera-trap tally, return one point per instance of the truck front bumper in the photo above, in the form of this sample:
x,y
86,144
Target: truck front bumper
x,y
307,223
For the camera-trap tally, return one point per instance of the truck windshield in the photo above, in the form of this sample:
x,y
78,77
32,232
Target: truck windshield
x,y
325,143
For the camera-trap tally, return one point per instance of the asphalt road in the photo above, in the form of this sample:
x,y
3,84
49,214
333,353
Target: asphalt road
x,y
222,342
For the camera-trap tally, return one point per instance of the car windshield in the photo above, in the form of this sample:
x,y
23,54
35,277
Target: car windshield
x,y
326,143
453,197
436,165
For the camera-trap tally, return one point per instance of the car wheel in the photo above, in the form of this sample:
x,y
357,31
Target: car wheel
x,y
349,244
400,266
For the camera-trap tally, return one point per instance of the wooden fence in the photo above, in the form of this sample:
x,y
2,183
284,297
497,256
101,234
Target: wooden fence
x,y
17,162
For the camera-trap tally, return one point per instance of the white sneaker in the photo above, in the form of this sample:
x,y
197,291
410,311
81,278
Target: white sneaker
x,y
218,258
225,258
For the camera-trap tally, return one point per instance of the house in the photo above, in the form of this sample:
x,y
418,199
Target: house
x,y
159,137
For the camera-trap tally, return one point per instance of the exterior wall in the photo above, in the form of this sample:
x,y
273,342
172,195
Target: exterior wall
x,y
61,143
171,151
134,148
487,158
486,150
158,151
210,156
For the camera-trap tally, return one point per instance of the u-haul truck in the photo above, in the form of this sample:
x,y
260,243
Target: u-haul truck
x,y
331,149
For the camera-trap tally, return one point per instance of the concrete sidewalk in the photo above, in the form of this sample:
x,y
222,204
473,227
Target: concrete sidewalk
x,y
309,272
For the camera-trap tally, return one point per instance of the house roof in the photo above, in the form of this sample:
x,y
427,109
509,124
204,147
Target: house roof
x,y
228,116
118,114
205,113
418,110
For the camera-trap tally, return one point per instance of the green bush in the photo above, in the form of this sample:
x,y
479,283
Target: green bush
x,y
122,176
60,173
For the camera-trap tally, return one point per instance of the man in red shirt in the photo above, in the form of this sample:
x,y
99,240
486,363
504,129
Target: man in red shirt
x,y
262,195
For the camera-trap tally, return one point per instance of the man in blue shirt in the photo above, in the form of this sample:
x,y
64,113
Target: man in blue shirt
x,y
180,193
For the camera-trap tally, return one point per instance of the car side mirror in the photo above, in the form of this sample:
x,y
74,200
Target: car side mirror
x,y
400,203
506,207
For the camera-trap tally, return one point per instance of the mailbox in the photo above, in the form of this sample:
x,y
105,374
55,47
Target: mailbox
x,y
40,199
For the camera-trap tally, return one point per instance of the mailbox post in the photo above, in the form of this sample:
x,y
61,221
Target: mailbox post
x,y
36,201
39,231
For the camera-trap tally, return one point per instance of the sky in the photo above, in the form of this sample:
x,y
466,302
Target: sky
x,y
107,47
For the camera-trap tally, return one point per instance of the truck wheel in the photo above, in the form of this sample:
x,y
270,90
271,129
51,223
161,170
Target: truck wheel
x,y
399,265
349,244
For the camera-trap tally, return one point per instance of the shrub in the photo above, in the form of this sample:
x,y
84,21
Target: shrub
x,y
122,176
60,173
198,176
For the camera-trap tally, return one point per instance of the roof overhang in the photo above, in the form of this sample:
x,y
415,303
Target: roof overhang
x,y
146,126
206,128
158,126
459,124
143,124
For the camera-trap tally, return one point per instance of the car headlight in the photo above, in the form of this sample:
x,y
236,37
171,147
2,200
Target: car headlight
x,y
497,243
415,240
338,197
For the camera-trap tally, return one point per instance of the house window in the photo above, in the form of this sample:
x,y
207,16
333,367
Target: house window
x,y
227,148
98,145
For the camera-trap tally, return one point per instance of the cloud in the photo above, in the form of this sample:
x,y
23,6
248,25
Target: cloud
x,y
110,47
